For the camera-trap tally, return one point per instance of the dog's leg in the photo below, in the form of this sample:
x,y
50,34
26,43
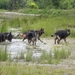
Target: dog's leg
x,y
41,40
24,39
29,41
34,41
55,40
58,41
65,40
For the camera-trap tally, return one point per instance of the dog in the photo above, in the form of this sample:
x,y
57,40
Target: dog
x,y
32,35
6,36
39,33
61,34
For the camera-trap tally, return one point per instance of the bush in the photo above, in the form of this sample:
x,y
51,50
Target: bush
x,y
33,5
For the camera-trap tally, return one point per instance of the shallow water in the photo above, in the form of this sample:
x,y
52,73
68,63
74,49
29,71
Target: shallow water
x,y
17,46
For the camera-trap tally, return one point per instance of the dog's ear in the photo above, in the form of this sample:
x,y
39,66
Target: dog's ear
x,y
67,29
42,28
8,34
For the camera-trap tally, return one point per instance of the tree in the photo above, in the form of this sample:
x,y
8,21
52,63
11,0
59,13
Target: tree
x,y
67,4
16,4
4,4
44,3
56,3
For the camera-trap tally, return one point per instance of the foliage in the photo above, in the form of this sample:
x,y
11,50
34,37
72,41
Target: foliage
x,y
4,4
33,5
42,4
16,4
67,4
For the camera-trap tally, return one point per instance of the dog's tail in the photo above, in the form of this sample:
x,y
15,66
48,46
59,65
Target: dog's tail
x,y
52,35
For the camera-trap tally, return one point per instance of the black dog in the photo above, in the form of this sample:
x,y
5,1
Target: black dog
x,y
2,37
61,34
6,36
32,35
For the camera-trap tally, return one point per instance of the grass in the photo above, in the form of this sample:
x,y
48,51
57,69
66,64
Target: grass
x,y
54,57
23,69
3,55
50,24
51,20
29,56
3,26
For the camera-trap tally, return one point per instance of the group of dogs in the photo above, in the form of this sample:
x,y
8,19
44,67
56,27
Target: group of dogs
x,y
34,35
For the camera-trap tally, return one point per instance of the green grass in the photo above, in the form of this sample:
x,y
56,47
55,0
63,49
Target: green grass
x,y
23,69
55,56
3,10
50,25
51,20
29,56
3,25
3,55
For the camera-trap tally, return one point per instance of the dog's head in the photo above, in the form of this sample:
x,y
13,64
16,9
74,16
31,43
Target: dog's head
x,y
42,31
9,37
68,31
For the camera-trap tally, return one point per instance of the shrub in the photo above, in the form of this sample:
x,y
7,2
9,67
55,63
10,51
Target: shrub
x,y
33,5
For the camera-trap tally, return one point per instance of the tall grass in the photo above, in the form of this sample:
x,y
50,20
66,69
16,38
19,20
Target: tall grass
x,y
56,19
29,56
50,25
55,56
4,25
3,55
61,54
